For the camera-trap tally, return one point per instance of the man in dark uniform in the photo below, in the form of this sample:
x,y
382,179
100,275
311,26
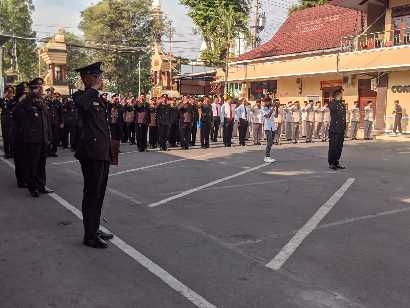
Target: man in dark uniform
x,y
173,130
186,116
94,153
6,120
141,123
337,130
206,122
20,167
116,120
55,112
32,117
195,120
163,122
70,119
152,124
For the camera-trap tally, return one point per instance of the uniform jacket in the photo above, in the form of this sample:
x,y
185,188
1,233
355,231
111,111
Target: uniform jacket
x,y
144,110
338,117
94,136
55,112
186,114
174,115
32,121
163,114
116,121
152,116
206,114
69,113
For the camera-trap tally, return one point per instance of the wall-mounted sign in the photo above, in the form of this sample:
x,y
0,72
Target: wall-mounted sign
x,y
400,89
330,84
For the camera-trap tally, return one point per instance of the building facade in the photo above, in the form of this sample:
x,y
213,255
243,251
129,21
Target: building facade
x,y
360,47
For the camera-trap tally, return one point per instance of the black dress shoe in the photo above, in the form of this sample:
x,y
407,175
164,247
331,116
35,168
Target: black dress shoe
x,y
340,167
34,194
45,190
333,167
104,235
96,242
53,155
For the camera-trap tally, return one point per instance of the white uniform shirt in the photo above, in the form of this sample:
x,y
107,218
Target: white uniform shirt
x,y
242,112
257,115
226,112
304,113
216,110
310,114
296,114
355,114
269,123
326,114
368,114
347,115
289,117
318,114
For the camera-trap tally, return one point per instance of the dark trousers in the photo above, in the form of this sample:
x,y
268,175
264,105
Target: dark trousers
x,y
397,123
19,163
335,147
163,131
173,135
204,133
35,157
129,133
185,134
227,132
193,133
95,174
55,131
243,128
215,129
8,149
153,136
141,133
68,136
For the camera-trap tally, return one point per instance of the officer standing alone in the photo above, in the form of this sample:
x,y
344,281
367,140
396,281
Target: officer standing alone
x,y
337,130
94,153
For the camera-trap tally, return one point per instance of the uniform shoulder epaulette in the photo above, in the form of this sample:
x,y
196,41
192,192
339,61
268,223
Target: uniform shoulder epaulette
x,y
77,94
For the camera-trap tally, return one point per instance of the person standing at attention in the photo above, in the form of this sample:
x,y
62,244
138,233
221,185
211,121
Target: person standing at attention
x,y
368,121
336,130
398,114
257,122
269,113
93,152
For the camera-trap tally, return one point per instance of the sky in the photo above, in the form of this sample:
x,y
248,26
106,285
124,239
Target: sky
x,y
51,15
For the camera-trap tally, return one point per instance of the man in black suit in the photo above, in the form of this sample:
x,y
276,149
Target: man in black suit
x,y
31,119
94,152
337,130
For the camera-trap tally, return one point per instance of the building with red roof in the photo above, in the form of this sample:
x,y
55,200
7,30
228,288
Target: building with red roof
x,y
362,47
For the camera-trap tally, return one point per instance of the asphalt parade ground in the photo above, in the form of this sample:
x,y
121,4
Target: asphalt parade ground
x,y
216,228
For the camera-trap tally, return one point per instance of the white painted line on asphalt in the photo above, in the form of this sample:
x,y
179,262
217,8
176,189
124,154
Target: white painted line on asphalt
x,y
156,165
155,269
124,196
403,152
286,252
77,161
193,190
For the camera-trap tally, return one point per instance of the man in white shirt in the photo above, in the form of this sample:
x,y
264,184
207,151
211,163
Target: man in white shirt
x,y
348,114
318,119
269,114
355,119
278,123
227,119
216,113
289,120
304,118
326,122
310,120
242,115
296,118
257,122
368,121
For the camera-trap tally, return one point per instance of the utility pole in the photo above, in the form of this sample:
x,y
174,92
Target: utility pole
x,y
170,55
139,78
258,22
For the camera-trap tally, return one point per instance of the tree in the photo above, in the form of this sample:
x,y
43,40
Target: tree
x,y
219,22
15,19
304,4
122,23
76,58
